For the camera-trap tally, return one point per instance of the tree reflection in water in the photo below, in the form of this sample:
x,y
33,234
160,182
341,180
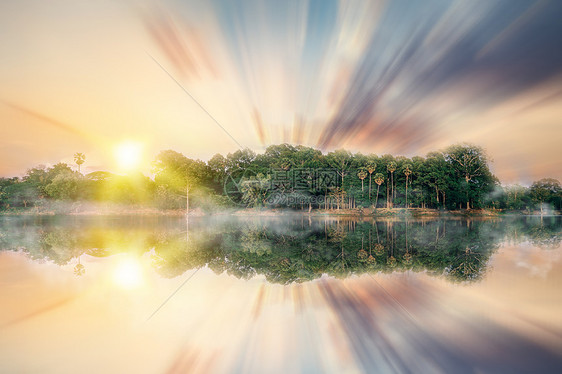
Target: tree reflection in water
x,y
283,249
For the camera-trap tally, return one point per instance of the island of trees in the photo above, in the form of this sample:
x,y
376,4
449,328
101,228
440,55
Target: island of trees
x,y
286,176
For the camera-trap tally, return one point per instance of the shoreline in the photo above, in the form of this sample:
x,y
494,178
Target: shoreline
x,y
359,213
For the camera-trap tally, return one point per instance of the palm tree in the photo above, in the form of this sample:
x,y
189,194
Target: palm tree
x,y
79,158
391,167
362,175
379,179
407,173
362,253
79,268
371,167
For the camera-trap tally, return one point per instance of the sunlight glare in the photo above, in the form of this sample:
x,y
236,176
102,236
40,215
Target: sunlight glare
x,y
128,274
128,154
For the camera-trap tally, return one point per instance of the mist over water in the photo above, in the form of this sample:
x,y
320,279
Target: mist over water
x,y
280,294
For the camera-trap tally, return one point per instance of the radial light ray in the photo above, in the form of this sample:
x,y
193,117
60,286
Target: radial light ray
x,y
377,76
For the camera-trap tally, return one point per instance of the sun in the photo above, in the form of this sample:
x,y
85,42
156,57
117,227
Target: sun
x,y
128,154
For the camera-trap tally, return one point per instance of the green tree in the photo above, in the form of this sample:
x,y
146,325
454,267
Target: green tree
x,y
341,161
21,194
407,172
255,190
339,195
371,168
379,179
177,173
515,195
391,167
5,193
546,191
65,186
39,177
79,158
470,162
435,174
218,166
241,159
362,174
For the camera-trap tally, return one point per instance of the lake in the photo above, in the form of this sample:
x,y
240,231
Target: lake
x,y
280,294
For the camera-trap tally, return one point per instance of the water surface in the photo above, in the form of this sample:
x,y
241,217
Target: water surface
x,y
280,294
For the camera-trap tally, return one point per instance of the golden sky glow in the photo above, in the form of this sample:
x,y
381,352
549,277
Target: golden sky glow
x,y
79,77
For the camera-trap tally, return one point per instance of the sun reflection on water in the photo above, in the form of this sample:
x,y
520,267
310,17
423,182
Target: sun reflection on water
x,y
128,274
152,301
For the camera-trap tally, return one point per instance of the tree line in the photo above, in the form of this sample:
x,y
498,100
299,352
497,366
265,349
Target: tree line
x,y
457,177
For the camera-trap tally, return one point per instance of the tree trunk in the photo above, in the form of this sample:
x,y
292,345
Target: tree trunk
x,y
387,195
370,177
187,201
392,192
406,192
467,188
187,213
377,198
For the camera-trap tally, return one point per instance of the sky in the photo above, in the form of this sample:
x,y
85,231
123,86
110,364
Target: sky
x,y
205,77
